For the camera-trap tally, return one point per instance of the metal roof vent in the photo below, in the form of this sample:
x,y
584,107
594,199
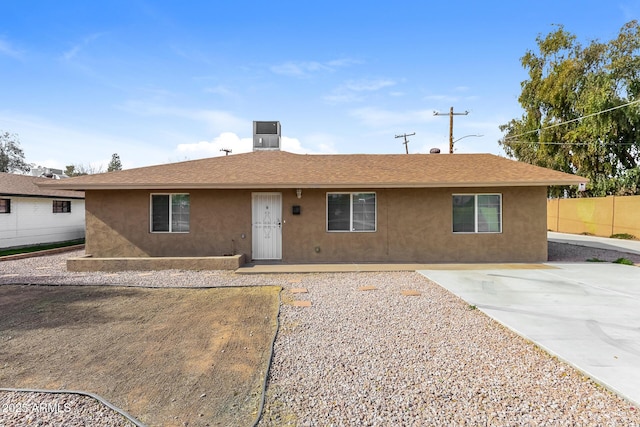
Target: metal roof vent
x,y
434,151
266,136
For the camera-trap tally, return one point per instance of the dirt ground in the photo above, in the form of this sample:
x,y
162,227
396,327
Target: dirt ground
x,y
166,356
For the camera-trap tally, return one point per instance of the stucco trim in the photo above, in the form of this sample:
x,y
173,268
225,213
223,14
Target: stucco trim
x,y
88,263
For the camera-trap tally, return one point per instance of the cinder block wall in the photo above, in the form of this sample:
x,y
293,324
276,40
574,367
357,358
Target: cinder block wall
x,y
600,216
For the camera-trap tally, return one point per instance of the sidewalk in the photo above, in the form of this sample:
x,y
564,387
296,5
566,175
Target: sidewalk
x,y
629,246
346,267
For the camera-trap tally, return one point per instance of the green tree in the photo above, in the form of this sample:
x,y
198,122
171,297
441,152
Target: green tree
x,y
11,155
73,170
115,164
80,169
576,118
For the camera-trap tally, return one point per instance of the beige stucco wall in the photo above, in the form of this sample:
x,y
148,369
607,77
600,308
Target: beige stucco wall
x,y
413,225
118,225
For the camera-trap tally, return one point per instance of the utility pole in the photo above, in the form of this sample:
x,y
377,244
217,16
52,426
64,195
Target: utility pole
x,y
406,141
226,150
451,114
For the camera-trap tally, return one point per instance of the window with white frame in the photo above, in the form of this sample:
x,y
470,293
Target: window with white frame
x,y
170,213
477,213
351,212
5,206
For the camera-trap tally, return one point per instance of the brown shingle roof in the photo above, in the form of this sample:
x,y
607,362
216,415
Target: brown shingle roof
x,y
25,185
280,169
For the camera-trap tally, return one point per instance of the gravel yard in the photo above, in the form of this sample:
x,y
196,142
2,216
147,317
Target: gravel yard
x,y
367,352
562,252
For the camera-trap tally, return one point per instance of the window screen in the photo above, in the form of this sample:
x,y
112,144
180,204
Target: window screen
x,y
464,214
339,212
160,212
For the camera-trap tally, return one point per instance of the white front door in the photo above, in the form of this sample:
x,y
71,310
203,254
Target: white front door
x,y
267,225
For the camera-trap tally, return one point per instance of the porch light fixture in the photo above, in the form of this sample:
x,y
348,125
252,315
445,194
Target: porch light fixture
x,y
299,193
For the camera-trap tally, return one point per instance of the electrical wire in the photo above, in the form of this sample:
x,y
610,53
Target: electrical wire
x,y
570,143
573,120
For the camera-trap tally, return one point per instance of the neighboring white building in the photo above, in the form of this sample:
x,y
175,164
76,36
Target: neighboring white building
x,y
30,215
51,173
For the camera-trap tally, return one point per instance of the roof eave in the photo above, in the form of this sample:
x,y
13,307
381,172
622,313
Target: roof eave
x,y
263,186
43,196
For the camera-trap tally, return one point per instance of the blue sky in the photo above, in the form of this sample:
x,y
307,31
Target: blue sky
x,y
164,81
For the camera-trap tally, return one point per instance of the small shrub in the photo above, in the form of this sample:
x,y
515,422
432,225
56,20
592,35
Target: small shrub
x,y
625,236
623,261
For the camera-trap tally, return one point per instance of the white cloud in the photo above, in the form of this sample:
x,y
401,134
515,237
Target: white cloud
x,y
350,91
344,62
216,120
226,140
222,90
298,69
368,85
342,97
303,69
323,142
459,90
237,145
447,98
56,145
293,145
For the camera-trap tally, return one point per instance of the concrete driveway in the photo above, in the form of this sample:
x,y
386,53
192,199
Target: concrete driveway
x,y
587,314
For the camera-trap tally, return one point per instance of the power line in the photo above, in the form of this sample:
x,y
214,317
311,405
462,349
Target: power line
x,y
570,143
574,120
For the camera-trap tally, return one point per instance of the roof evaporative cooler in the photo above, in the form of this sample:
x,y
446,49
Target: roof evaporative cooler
x,y
266,136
